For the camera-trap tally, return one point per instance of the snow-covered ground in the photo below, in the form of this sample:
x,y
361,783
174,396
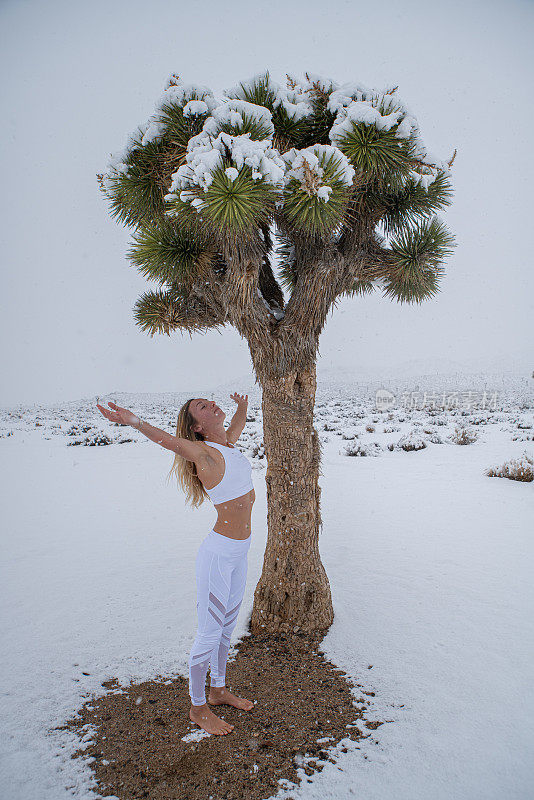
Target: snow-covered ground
x,y
429,560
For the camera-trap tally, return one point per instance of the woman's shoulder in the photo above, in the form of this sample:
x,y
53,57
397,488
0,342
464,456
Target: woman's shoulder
x,y
192,450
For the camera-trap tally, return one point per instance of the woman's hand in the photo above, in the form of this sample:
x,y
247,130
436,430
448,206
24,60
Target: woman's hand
x,y
120,415
240,399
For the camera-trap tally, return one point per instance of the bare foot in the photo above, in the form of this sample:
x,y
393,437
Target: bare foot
x,y
208,721
219,696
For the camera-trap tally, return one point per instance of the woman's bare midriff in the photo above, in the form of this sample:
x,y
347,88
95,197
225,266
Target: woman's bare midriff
x,y
234,516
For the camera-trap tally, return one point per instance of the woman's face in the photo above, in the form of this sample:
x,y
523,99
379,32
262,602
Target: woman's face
x,y
206,412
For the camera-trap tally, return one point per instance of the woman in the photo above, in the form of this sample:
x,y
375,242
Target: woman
x,y
208,465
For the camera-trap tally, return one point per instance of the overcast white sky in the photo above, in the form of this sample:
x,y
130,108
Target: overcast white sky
x,y
79,77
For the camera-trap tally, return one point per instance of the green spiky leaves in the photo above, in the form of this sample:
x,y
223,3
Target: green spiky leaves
x,y
317,190
416,261
230,182
289,109
134,189
374,152
176,308
139,175
234,204
414,201
171,253
380,139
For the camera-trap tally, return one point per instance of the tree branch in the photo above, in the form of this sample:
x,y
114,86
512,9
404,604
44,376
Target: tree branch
x,y
318,285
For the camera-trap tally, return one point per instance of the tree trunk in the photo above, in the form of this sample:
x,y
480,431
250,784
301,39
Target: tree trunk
x,y
293,593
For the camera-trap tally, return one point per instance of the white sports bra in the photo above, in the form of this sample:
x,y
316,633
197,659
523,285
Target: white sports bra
x,y
237,478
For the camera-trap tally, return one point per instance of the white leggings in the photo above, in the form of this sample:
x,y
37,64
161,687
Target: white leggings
x,y
221,573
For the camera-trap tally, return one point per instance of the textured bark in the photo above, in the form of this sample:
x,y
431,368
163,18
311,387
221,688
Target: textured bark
x,y
293,593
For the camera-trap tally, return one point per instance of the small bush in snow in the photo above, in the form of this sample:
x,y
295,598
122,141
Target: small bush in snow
x,y
517,469
411,441
523,437
328,427
480,419
369,429
525,423
361,449
74,430
463,436
258,450
96,439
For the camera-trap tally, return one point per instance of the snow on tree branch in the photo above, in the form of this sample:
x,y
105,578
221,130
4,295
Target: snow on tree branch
x,y
295,102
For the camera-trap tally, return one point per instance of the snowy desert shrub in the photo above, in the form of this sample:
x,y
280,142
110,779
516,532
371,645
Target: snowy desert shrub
x,y
463,436
411,441
369,429
74,430
361,449
329,427
391,429
479,419
525,422
258,450
517,469
349,433
523,437
96,439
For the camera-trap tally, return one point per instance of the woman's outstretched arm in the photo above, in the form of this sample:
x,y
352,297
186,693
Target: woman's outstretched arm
x,y
184,447
163,438
239,420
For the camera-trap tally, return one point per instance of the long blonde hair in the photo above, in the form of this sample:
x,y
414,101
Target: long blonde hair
x,y
186,471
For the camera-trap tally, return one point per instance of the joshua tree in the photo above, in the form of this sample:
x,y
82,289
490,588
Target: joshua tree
x,y
214,190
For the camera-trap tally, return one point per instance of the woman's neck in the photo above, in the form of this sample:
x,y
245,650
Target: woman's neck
x,y
216,437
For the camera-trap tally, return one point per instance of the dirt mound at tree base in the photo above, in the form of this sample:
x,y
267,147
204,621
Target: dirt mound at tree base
x,y
300,698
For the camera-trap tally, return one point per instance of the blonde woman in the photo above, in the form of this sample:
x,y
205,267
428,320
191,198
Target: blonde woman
x,y
207,464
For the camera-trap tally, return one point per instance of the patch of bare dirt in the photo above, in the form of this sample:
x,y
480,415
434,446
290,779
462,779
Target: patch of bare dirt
x,y
299,697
